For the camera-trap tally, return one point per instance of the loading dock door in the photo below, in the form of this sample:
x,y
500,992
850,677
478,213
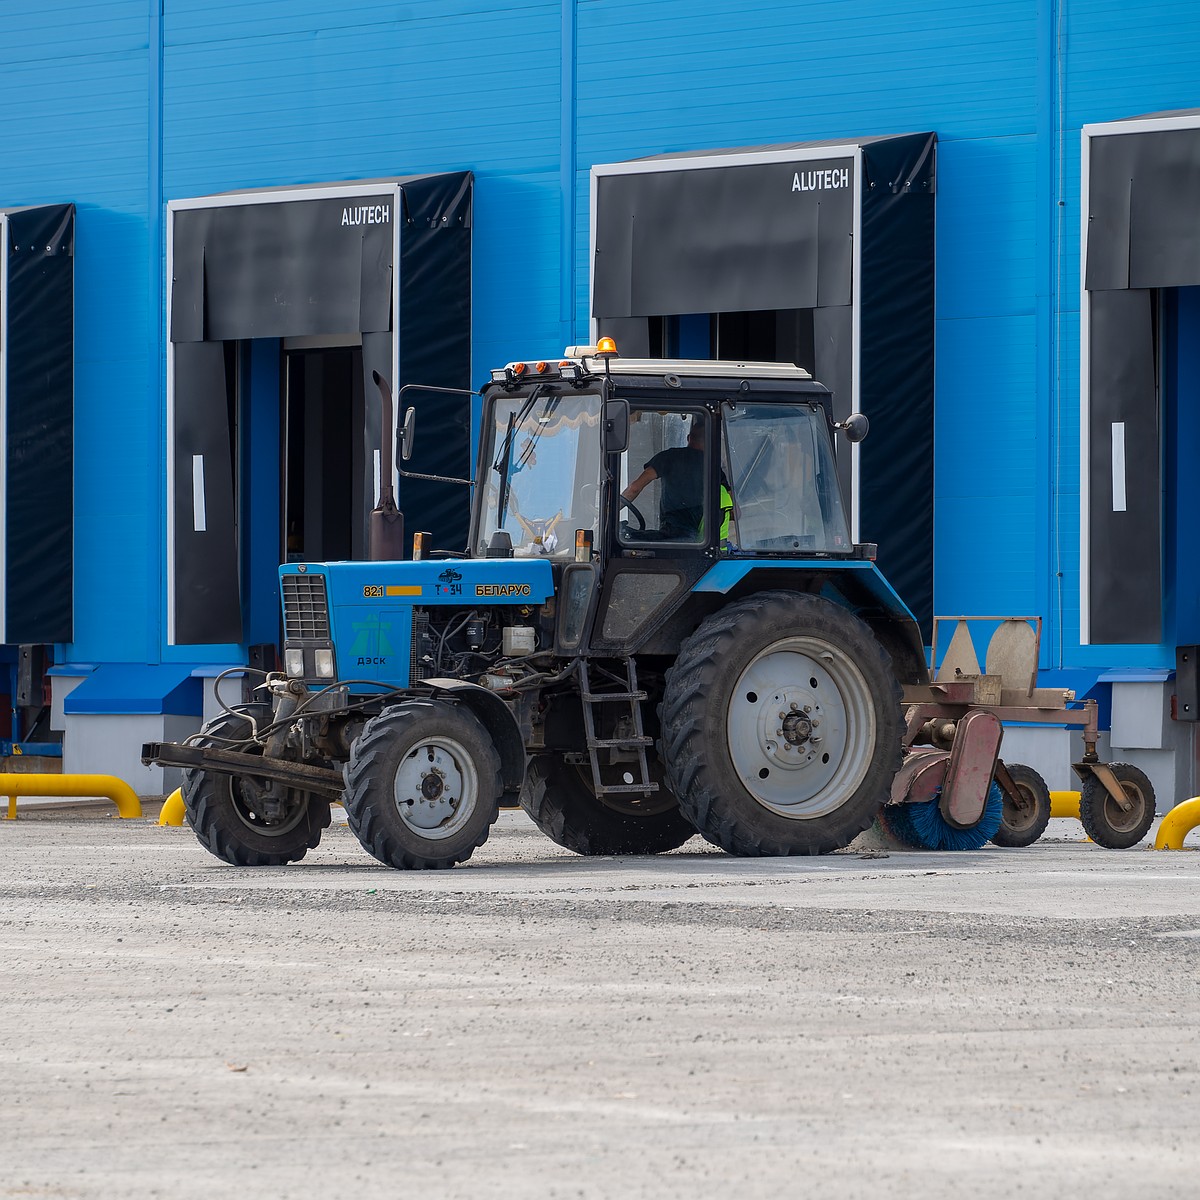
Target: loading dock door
x,y
1141,234
387,261
843,231
37,398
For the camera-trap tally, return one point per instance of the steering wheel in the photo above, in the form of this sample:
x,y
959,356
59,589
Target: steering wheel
x,y
629,504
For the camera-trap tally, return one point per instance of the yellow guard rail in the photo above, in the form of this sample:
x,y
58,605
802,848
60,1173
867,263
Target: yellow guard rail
x,y
108,786
1177,824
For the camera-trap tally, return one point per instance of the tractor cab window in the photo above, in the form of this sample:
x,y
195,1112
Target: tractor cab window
x,y
542,478
663,472
779,464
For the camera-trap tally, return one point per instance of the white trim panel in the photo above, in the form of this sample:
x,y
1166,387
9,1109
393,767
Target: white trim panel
x,y
1118,467
1085,396
699,162
3,426
199,512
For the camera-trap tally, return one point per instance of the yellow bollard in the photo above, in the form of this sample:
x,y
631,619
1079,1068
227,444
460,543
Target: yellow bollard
x,y
172,810
1177,824
108,786
1064,804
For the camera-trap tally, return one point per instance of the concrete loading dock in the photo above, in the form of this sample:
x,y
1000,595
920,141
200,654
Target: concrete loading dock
x,y
695,1025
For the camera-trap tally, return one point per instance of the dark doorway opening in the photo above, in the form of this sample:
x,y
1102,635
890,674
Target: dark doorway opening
x,y
323,417
773,335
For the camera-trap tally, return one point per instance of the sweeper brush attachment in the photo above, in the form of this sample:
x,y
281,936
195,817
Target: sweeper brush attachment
x,y
922,826
954,792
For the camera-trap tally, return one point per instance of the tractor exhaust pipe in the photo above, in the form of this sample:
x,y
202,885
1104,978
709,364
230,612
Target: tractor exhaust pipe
x,y
385,530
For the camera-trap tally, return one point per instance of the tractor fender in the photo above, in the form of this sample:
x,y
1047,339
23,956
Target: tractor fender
x,y
497,718
856,584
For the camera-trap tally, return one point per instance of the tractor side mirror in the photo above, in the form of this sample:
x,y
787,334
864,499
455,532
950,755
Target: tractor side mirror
x,y
408,430
616,426
855,427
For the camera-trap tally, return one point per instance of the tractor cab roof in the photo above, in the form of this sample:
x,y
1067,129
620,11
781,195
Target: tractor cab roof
x,y
768,380
716,368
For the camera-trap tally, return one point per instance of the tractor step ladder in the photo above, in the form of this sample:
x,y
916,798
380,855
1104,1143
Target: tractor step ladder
x,y
637,741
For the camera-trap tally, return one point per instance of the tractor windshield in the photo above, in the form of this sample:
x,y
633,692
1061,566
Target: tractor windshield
x,y
541,478
783,480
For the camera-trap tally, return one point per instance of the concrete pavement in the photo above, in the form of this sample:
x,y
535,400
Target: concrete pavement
x,y
1003,1022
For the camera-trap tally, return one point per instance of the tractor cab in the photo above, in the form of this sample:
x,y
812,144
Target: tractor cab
x,y
645,459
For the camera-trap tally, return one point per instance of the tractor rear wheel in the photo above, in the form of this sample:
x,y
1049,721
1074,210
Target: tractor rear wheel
x,y
562,803
781,726
1105,821
248,822
423,785
1022,824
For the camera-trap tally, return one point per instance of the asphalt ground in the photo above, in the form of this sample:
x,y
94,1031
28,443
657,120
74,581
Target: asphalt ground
x,y
532,1024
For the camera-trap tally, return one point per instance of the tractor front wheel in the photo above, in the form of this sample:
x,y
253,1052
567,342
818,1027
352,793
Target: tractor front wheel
x,y
249,822
423,785
781,726
560,799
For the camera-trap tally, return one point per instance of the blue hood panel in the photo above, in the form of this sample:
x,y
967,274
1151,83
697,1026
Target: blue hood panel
x,y
371,605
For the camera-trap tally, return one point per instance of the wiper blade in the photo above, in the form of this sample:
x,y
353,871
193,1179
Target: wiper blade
x,y
527,450
504,458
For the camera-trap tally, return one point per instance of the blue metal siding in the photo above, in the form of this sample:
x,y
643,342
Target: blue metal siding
x,y
271,92
73,86
985,441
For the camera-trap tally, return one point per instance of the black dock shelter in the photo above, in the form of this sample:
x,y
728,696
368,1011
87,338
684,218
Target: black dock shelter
x,y
37,406
379,267
819,253
1141,245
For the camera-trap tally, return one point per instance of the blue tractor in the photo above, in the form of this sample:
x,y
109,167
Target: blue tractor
x,y
661,626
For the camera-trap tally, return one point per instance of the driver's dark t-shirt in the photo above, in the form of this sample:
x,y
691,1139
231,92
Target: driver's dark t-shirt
x,y
681,504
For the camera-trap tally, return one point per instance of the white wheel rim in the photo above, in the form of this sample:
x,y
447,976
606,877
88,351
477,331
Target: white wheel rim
x,y
801,727
436,788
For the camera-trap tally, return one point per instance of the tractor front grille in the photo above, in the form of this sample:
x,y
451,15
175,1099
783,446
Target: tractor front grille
x,y
305,608
422,645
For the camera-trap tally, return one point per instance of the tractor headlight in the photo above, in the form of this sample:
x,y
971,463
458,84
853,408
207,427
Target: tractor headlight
x,y
324,663
293,662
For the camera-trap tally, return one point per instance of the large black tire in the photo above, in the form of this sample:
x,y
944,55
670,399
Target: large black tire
x,y
802,768
1022,825
1102,817
423,785
559,798
221,810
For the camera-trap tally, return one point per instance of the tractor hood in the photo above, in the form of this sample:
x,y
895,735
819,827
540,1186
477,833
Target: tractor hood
x,y
457,581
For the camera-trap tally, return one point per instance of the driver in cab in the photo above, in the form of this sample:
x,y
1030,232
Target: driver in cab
x,y
681,472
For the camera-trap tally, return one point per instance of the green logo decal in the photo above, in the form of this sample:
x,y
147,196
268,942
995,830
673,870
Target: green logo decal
x,y
371,637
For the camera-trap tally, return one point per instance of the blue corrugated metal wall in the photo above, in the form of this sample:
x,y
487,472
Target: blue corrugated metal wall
x,y
270,92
